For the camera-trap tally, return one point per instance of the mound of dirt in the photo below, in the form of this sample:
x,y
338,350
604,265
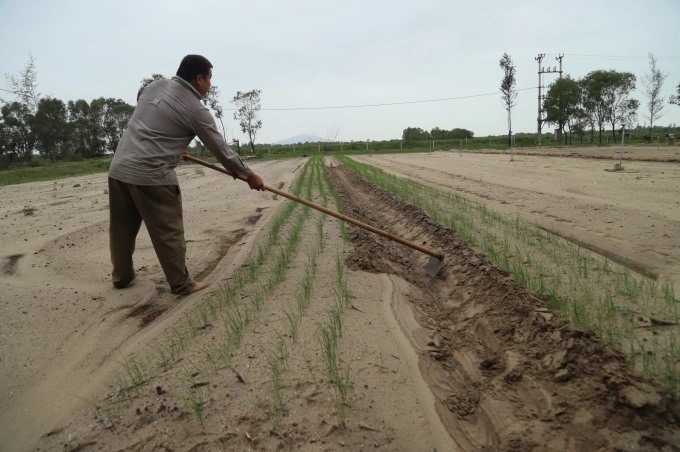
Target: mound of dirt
x,y
506,372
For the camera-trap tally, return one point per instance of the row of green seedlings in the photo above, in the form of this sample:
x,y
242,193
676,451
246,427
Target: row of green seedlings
x,y
336,198
221,305
594,293
277,352
331,331
328,333
235,321
590,290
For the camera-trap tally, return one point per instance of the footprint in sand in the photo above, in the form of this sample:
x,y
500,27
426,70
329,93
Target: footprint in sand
x,y
10,267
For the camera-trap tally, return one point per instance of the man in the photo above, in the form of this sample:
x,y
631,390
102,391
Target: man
x,y
143,185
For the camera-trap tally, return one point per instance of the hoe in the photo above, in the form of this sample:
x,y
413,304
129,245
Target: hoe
x,y
433,266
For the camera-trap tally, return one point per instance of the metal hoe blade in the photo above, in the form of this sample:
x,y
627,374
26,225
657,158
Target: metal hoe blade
x,y
433,266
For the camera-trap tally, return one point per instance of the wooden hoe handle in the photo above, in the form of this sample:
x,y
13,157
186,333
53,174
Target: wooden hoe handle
x,y
332,213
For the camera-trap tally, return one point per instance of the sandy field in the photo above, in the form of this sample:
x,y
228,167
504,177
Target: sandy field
x,y
631,216
463,361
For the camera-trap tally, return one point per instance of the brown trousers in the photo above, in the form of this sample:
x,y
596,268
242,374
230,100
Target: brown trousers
x,y
160,207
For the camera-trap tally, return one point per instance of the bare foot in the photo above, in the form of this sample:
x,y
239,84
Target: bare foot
x,y
199,285
120,285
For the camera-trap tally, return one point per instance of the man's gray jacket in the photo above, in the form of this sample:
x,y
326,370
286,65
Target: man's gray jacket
x,y
168,116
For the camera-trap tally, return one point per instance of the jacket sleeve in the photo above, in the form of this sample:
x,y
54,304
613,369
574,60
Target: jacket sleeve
x,y
204,125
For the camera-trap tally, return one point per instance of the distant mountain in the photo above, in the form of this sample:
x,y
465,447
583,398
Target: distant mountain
x,y
302,138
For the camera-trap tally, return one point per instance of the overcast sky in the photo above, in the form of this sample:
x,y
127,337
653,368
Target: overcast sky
x,y
304,53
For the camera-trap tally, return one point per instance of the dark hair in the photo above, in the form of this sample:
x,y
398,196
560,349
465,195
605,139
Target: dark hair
x,y
192,66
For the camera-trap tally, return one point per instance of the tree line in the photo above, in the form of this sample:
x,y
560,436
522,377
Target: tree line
x,y
602,102
55,129
58,130
418,134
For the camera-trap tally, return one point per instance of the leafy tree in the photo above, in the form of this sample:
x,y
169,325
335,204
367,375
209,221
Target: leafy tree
x,y
443,134
458,133
594,85
624,109
50,127
653,82
508,91
675,99
94,118
110,117
86,137
17,140
606,97
582,118
247,109
627,113
439,134
118,115
415,134
563,103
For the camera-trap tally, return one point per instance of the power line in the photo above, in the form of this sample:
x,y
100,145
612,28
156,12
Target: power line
x,y
616,57
337,107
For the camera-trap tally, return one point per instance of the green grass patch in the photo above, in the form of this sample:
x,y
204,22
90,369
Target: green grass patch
x,y
53,171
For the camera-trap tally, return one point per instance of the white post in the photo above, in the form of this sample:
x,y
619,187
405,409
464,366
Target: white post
x,y
623,134
465,142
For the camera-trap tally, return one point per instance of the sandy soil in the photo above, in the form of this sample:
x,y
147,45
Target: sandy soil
x,y
631,216
65,329
467,360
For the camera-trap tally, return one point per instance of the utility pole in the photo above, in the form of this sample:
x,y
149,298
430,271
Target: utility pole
x,y
541,89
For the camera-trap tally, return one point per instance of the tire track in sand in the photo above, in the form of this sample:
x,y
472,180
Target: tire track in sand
x,y
402,325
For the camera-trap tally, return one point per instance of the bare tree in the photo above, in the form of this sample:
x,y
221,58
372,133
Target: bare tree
x,y
211,99
508,92
653,82
331,136
247,109
25,85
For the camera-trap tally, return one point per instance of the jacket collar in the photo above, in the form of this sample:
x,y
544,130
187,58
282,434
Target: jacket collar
x,y
187,85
